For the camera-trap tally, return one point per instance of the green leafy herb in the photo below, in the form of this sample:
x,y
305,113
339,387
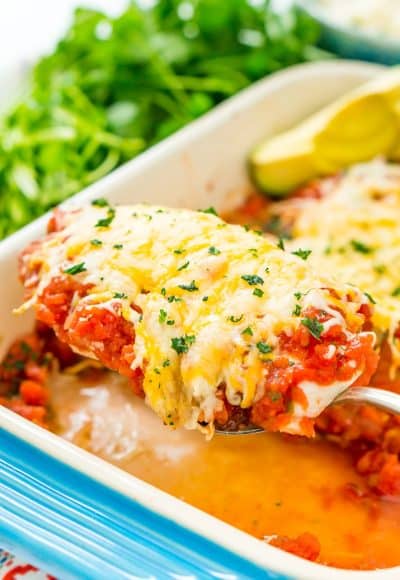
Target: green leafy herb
x,y
361,247
163,291
252,279
85,112
166,363
370,298
396,291
179,251
106,222
184,266
210,210
157,371
120,295
173,298
248,331
264,348
303,254
258,292
181,344
213,250
314,326
75,269
162,317
118,246
96,242
100,202
170,322
205,298
235,319
298,295
281,243
297,310
189,287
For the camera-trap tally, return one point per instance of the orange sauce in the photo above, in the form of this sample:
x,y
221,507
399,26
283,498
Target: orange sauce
x,y
263,484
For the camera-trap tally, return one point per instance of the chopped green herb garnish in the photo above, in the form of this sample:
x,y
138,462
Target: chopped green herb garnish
x,y
314,326
166,363
252,279
189,287
76,269
246,227
118,246
264,348
157,371
174,299
96,242
248,331
205,298
266,270
396,291
297,310
361,247
184,266
281,243
380,268
162,317
170,322
303,254
236,319
258,292
105,222
370,298
163,291
120,295
210,210
214,251
100,202
181,344
179,251
298,295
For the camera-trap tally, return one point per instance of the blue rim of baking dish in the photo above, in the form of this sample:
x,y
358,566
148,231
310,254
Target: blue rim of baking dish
x,y
76,527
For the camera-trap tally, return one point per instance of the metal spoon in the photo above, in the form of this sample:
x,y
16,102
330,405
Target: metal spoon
x,y
380,398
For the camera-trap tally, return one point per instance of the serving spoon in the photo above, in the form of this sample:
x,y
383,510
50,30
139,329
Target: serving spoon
x,y
386,400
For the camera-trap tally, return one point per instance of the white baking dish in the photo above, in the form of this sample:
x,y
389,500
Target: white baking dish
x,y
202,165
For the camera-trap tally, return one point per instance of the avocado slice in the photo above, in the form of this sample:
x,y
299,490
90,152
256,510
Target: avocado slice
x,y
355,128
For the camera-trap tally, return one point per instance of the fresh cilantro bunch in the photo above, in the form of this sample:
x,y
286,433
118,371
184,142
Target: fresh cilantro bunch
x,y
115,86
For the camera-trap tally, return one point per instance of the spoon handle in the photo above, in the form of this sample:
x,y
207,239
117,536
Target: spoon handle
x,y
381,398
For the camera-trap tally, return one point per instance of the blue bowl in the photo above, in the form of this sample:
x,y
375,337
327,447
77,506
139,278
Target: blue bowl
x,y
351,42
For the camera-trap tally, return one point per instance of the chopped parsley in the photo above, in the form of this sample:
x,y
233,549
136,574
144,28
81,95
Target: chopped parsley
x,y
100,202
170,322
120,295
179,251
174,299
163,291
105,222
370,298
303,254
297,295
213,251
396,291
361,247
184,266
210,210
297,310
281,243
118,246
236,319
75,269
248,331
96,242
189,287
205,298
157,371
252,279
314,327
258,292
264,348
162,317
166,363
181,344
266,270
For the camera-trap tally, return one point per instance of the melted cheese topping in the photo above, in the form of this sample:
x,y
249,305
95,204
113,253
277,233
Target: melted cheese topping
x,y
354,232
199,283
